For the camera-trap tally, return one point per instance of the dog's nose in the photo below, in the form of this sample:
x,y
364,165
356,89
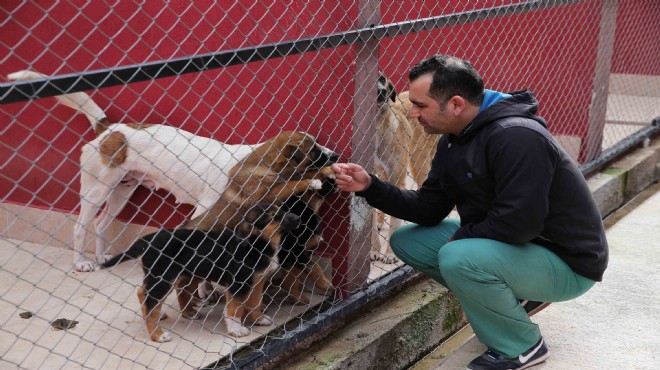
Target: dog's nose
x,y
333,158
290,222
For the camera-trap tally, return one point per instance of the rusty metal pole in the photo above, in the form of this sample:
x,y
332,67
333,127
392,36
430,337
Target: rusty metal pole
x,y
592,146
362,145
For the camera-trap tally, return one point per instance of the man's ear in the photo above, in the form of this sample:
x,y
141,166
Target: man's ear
x,y
456,104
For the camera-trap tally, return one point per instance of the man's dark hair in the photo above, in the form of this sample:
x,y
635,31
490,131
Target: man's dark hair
x,y
451,76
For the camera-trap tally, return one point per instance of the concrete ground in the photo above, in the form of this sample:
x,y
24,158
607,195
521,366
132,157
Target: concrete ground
x,y
616,325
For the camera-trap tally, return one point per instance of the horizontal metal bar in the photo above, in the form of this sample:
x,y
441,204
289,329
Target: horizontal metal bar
x,y
68,83
335,314
621,148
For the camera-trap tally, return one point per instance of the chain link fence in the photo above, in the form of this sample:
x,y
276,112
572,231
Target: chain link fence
x,y
240,74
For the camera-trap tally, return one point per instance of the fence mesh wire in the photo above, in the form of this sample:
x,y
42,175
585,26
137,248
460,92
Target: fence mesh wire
x,y
593,65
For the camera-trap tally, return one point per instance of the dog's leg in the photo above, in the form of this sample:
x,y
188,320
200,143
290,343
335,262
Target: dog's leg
x,y
115,203
387,255
282,191
294,286
207,293
319,278
234,316
185,288
253,301
93,194
375,253
151,309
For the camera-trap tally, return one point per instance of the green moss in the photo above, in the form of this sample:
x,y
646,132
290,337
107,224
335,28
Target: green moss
x,y
454,314
614,171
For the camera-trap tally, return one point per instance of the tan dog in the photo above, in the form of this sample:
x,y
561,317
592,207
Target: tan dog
x,y
402,149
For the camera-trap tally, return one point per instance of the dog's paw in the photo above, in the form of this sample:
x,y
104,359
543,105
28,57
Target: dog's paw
x,y
316,184
235,329
84,265
264,320
329,187
302,298
389,258
324,285
191,315
103,258
374,256
328,173
165,337
208,294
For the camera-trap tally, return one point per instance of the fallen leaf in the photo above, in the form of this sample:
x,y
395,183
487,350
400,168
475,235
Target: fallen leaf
x,y
25,315
63,324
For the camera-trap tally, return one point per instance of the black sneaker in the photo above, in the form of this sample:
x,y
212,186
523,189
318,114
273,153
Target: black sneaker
x,y
533,307
492,361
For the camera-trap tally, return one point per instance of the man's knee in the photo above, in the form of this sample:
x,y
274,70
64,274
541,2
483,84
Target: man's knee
x,y
457,258
399,238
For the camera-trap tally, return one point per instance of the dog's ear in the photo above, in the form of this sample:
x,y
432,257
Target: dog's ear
x,y
243,229
292,152
386,89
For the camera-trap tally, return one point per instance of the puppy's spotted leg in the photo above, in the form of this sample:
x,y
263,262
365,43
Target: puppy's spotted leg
x,y
253,301
233,317
291,281
319,278
184,287
151,317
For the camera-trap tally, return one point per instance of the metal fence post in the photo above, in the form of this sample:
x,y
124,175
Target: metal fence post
x,y
606,36
362,145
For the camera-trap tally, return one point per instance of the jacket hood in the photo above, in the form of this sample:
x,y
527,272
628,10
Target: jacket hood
x,y
520,104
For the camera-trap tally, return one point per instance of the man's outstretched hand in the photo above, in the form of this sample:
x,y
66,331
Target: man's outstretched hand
x,y
351,177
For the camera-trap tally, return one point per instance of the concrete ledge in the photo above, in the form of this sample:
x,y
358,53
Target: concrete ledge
x,y
625,178
392,335
409,325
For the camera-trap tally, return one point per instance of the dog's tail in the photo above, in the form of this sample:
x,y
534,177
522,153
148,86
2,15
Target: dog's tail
x,y
136,250
79,101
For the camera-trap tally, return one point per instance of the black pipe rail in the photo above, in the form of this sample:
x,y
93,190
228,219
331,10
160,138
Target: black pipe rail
x,y
68,83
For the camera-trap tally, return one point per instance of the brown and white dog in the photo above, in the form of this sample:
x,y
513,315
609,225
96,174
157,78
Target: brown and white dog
x,y
193,168
288,164
402,149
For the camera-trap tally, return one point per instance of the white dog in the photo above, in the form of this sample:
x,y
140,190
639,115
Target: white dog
x,y
193,168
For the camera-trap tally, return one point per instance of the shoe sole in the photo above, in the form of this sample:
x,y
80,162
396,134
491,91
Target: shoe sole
x,y
538,309
536,361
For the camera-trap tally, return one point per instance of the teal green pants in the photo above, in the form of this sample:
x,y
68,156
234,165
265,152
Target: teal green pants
x,y
488,278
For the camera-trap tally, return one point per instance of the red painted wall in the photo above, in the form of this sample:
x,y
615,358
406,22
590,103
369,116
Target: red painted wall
x,y
550,51
241,104
637,45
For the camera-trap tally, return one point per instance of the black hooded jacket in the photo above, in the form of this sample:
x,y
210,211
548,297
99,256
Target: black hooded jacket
x,y
511,182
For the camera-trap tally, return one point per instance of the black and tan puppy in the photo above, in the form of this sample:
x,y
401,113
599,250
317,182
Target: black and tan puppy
x,y
299,246
242,261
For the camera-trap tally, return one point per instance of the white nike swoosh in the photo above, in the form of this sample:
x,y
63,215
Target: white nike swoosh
x,y
524,359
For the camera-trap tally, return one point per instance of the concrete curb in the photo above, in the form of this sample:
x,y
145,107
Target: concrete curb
x,y
405,327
